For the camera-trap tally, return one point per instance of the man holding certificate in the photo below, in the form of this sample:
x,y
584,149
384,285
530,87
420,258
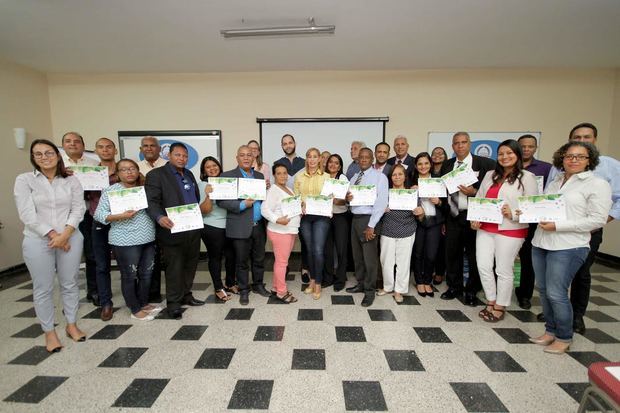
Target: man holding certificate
x,y
173,185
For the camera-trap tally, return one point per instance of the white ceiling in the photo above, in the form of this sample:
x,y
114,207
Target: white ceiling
x,y
88,36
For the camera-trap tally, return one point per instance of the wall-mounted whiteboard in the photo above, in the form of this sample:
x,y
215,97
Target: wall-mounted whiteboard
x,y
482,143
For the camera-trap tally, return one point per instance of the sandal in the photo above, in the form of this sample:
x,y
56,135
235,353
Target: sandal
x,y
221,299
483,313
287,298
233,290
492,318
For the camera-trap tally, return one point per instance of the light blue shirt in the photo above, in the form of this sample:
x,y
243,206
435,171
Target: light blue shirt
x,y
217,216
373,177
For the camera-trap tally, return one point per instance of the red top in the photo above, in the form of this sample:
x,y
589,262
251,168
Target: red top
x,y
494,228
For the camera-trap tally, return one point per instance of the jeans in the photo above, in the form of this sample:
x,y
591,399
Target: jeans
x,y
102,251
315,229
135,263
554,272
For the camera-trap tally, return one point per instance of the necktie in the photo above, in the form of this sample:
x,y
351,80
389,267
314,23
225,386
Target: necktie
x,y
359,178
400,162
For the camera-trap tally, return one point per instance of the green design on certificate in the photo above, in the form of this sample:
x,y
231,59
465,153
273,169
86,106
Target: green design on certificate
x,y
185,217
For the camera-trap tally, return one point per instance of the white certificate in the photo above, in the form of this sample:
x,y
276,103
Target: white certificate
x,y
406,199
363,195
185,217
542,208
319,205
92,178
485,210
335,187
291,206
540,181
223,188
463,175
252,188
127,199
431,188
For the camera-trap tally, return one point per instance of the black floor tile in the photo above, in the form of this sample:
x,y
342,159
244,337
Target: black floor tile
x,y
215,358
141,393
31,357
163,314
211,299
200,286
189,332
350,334
123,357
33,331
363,395
403,360
29,313
524,316
513,335
342,300
96,313
251,394
269,333
240,314
600,301
500,362
602,289
478,397
409,300
29,286
575,390
26,299
453,315
599,337
600,317
432,335
603,279
461,298
306,359
36,389
586,357
310,314
111,332
381,315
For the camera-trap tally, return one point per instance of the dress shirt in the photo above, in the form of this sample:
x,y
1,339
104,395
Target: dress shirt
x,y
145,166
380,168
189,195
352,169
373,177
306,184
217,217
540,168
271,209
44,206
256,214
84,160
462,197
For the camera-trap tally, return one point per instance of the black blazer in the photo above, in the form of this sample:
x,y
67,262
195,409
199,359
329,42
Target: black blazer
x,y
162,191
480,165
409,161
238,223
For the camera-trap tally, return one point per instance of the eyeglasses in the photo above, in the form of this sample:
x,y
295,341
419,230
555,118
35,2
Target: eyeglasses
x,y
130,169
46,154
572,157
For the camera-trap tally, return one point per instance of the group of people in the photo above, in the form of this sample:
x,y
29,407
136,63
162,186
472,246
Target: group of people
x,y
61,221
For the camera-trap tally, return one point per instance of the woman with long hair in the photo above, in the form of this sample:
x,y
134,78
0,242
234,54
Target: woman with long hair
x,y
259,164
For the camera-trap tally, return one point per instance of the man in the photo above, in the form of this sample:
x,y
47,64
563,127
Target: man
x,y
290,159
73,145
246,228
459,234
150,149
401,149
354,167
524,291
366,228
168,186
382,153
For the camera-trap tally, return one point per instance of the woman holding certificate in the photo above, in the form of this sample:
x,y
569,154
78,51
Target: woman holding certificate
x,y
282,227
313,227
499,244
132,235
560,248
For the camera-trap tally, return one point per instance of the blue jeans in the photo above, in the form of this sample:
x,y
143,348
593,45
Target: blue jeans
x,y
102,251
554,271
136,263
314,230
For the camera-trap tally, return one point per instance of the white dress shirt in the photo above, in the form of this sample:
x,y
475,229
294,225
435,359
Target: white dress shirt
x,y
84,160
145,166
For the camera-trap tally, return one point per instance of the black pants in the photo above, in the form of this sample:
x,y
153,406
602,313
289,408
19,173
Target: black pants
x,y
339,238
526,287
219,246
440,261
254,248
155,289
86,228
365,253
102,251
461,237
580,287
181,262
425,251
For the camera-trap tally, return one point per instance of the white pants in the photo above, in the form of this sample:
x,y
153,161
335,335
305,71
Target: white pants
x,y
396,251
502,250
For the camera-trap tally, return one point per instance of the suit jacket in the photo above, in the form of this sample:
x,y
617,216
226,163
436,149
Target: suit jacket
x,y
480,164
238,223
409,161
162,191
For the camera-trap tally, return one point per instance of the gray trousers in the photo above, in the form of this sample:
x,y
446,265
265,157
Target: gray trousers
x,y
365,253
43,264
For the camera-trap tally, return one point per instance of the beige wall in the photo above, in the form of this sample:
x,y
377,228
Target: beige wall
x,y
24,103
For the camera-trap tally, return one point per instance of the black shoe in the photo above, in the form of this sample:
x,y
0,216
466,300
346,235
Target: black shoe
x,y
338,288
356,289
525,303
94,298
579,326
261,290
243,299
450,294
175,314
305,278
431,294
540,316
368,300
470,299
194,302
326,284
422,293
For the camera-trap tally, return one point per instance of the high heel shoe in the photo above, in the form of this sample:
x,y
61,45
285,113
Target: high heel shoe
x,y
308,290
422,293
79,339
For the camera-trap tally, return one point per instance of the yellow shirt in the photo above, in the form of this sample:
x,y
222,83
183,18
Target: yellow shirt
x,y
306,184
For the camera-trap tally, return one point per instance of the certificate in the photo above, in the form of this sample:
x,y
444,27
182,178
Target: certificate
x,y
485,210
363,195
252,188
540,181
542,208
223,188
335,187
127,199
431,188
92,178
185,218
463,175
291,206
406,199
319,205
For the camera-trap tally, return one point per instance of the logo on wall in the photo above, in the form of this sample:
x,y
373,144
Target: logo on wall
x,y
192,154
486,149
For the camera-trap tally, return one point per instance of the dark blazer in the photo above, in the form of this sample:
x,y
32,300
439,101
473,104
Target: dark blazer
x,y
238,223
162,191
409,161
480,165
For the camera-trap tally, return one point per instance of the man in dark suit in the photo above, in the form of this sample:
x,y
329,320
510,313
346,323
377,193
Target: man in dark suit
x,y
459,234
246,228
401,149
168,186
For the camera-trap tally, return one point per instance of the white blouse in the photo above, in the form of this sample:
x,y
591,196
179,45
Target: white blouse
x,y
271,209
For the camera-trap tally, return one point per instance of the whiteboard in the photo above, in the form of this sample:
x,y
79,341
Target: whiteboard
x,y
482,143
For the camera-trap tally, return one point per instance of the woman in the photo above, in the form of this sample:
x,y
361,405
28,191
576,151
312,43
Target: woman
x,y
258,163
314,228
281,230
439,156
50,203
497,245
560,248
132,235
397,236
339,233
324,157
428,233
214,233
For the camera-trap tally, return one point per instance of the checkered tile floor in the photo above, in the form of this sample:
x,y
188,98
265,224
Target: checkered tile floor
x,y
330,355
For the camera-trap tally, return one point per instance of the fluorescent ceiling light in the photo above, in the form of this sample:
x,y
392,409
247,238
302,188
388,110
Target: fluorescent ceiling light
x,y
311,28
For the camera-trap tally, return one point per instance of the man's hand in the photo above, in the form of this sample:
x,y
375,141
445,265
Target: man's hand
x,y
165,222
248,203
349,197
468,190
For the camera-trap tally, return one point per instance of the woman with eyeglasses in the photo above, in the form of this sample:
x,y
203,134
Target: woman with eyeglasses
x,y
132,235
560,248
258,164
50,203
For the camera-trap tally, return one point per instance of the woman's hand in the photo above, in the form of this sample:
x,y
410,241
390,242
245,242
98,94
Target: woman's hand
x,y
283,220
127,215
349,197
303,208
506,212
419,211
208,189
435,201
58,241
547,226
475,225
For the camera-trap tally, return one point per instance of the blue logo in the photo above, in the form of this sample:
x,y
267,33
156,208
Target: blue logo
x,y
192,154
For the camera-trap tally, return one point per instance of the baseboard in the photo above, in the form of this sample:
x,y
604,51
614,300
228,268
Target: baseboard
x,y
608,260
13,270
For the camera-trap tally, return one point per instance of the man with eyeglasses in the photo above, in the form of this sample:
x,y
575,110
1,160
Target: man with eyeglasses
x,y
169,186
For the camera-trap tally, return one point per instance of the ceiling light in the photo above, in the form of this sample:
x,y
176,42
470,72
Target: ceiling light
x,y
311,28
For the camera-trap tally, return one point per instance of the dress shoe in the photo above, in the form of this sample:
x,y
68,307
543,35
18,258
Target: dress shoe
x,y
579,326
368,300
540,317
470,299
106,313
194,302
356,289
450,294
338,288
243,299
261,290
175,314
525,303
94,298
326,284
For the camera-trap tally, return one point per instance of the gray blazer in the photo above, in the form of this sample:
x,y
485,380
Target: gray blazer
x,y
238,223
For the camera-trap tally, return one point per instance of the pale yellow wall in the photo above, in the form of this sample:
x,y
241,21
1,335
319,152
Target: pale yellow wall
x,y
24,103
